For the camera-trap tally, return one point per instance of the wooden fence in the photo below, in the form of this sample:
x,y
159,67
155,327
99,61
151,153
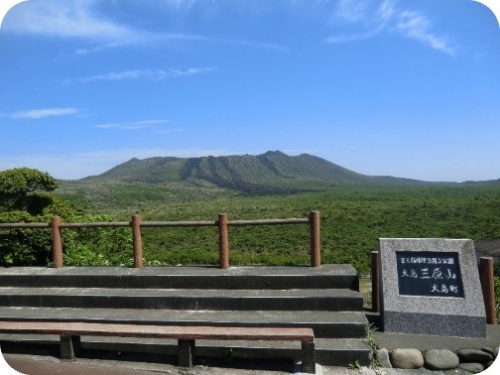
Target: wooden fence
x,y
222,222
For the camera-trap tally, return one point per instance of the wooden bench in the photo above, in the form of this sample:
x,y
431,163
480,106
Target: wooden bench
x,y
70,333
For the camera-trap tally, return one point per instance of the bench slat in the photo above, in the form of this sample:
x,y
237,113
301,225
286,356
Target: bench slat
x,y
157,331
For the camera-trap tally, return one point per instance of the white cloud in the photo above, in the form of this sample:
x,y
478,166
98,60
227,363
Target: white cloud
x,y
69,19
189,72
347,38
386,10
35,114
155,75
364,16
416,26
372,24
352,10
139,37
137,125
81,19
387,17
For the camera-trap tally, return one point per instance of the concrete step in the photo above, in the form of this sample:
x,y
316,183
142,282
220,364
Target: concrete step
x,y
194,299
325,323
262,277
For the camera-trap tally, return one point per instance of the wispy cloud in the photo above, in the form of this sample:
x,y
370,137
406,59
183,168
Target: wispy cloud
x,y
35,114
81,19
364,18
137,125
169,37
144,37
416,26
352,10
375,17
385,11
69,19
154,75
346,38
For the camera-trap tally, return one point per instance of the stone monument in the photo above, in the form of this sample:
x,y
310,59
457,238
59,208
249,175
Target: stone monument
x,y
431,286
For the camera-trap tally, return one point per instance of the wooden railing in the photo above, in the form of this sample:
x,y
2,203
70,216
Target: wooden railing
x,y
222,222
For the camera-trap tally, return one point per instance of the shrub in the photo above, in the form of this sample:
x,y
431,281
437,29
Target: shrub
x,y
23,247
97,246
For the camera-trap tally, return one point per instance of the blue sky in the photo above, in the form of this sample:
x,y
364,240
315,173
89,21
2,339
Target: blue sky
x,y
408,88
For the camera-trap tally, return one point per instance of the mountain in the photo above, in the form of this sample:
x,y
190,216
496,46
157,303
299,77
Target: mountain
x,y
271,173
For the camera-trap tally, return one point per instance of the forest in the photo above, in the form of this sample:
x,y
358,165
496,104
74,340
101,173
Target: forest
x,y
352,220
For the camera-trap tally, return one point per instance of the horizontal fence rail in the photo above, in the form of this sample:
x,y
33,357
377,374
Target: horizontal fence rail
x,y
136,224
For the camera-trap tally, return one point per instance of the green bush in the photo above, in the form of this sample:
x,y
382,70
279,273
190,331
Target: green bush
x,y
81,247
97,246
23,247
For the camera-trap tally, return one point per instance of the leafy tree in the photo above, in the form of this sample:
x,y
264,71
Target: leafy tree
x,y
16,185
25,198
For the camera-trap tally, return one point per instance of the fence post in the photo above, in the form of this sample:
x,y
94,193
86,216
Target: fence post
x,y
314,221
375,264
57,252
223,242
488,287
137,240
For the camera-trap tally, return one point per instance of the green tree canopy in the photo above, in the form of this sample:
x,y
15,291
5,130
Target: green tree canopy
x,y
25,197
17,183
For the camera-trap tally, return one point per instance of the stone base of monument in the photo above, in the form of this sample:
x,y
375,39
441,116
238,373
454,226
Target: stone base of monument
x,y
431,286
433,324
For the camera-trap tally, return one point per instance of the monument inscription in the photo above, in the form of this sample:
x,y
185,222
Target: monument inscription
x,y
429,280
429,274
